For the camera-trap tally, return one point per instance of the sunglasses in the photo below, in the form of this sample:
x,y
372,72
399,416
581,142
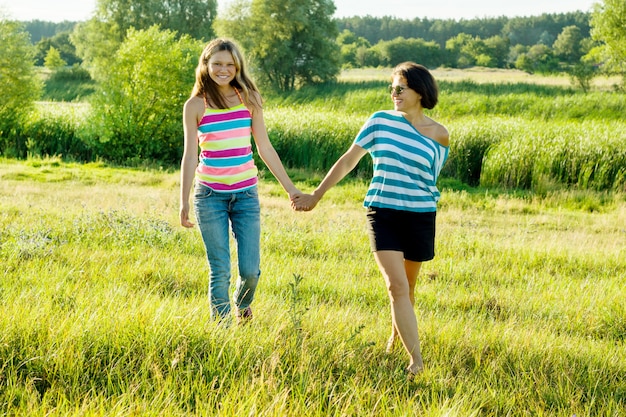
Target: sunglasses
x,y
397,89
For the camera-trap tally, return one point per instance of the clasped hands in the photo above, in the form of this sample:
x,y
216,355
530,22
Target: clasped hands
x,y
304,202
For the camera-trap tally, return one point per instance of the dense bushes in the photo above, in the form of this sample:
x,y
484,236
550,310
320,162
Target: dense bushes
x,y
136,112
53,129
134,116
56,135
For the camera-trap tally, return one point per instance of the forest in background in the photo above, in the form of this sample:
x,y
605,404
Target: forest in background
x,y
545,43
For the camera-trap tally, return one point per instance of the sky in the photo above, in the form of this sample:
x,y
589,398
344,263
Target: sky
x,y
78,10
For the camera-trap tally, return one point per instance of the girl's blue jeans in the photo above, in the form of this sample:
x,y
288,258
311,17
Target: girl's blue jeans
x,y
216,213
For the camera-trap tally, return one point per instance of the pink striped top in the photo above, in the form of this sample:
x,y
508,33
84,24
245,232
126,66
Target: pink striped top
x,y
225,162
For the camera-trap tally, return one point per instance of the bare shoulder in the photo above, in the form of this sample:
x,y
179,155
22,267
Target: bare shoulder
x,y
441,134
436,131
194,105
193,110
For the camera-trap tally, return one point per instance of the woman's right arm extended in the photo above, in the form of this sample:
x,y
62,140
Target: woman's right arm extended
x,y
339,170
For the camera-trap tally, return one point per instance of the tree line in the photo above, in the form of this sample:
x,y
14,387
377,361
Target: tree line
x,y
536,44
526,31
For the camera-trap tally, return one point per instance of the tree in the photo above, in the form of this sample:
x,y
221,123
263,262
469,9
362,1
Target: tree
x,y
465,50
61,42
288,42
581,75
539,58
457,48
497,49
418,50
350,45
138,105
368,57
539,29
543,59
546,38
19,84
53,59
40,29
568,45
608,25
516,52
191,17
97,39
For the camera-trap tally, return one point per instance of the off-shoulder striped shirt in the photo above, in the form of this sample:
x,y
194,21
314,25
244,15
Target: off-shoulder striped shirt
x,y
406,163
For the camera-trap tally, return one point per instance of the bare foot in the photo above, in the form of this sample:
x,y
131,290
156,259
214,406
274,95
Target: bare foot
x,y
413,371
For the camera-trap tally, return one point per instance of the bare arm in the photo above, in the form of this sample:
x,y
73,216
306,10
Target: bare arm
x,y
339,170
268,154
192,113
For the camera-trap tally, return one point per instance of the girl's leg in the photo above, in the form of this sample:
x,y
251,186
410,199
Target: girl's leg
x,y
211,210
391,265
412,271
246,222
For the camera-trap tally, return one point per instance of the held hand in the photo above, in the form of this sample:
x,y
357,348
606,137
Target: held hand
x,y
304,202
294,194
184,217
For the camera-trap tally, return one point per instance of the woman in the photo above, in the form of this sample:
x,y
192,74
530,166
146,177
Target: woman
x,y
408,150
222,115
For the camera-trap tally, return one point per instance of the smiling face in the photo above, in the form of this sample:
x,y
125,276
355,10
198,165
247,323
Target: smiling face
x,y
405,100
222,68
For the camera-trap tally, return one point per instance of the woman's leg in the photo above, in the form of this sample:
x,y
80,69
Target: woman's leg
x,y
392,266
412,271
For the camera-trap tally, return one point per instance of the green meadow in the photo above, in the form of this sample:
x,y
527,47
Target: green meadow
x,y
103,296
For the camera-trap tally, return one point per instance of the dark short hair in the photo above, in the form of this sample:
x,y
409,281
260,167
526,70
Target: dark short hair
x,y
419,79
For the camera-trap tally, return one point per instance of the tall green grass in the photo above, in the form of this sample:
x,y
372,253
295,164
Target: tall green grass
x,y
561,155
104,310
313,140
529,101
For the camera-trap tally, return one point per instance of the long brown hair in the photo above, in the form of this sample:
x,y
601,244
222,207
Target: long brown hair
x,y
206,88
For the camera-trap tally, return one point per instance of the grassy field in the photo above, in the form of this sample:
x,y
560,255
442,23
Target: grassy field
x,y
483,75
104,312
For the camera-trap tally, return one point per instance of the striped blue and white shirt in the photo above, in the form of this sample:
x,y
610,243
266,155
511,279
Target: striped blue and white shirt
x,y
406,163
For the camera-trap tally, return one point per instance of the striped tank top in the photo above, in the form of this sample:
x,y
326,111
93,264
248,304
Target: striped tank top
x,y
225,160
406,164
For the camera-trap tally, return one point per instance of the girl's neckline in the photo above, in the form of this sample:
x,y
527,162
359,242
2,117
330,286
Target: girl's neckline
x,y
241,103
